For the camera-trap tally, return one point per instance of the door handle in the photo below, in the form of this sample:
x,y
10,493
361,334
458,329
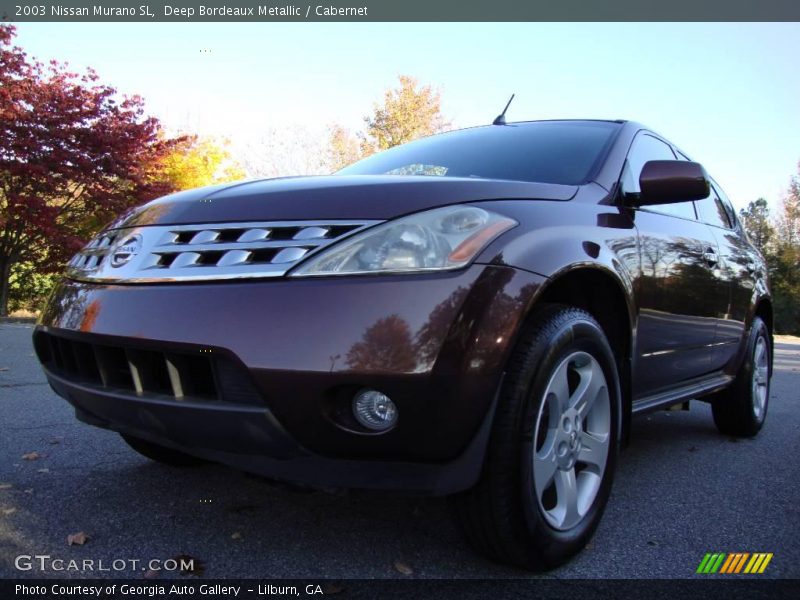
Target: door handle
x,y
711,257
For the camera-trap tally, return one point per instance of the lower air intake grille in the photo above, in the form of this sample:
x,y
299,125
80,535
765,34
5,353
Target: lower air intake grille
x,y
181,376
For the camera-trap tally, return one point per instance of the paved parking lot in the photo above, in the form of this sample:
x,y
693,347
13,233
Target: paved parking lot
x,y
681,490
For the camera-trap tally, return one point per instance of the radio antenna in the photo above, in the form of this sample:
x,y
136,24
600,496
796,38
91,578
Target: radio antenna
x,y
501,118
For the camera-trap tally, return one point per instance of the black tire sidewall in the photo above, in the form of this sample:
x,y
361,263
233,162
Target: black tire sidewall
x,y
733,407
579,334
757,330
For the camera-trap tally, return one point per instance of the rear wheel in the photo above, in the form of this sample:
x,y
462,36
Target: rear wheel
x,y
162,454
553,449
740,410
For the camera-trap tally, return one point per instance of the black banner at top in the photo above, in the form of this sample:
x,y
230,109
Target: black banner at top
x,y
397,10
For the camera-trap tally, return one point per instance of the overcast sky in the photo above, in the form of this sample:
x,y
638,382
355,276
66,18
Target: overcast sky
x,y
727,94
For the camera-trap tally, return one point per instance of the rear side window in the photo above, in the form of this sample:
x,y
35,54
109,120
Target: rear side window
x,y
646,148
715,210
726,204
711,211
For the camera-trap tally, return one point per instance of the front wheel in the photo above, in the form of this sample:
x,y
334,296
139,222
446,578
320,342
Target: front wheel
x,y
740,410
553,448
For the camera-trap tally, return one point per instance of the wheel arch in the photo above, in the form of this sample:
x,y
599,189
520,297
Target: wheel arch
x,y
599,291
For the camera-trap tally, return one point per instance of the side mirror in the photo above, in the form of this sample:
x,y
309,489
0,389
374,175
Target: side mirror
x,y
670,181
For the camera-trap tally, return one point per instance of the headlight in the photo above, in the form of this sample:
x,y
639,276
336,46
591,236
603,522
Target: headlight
x,y
434,240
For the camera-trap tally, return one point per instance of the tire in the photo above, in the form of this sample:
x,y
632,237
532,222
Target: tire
x,y
162,454
741,409
521,511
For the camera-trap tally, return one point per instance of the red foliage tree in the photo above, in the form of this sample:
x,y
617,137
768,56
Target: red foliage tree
x,y
73,153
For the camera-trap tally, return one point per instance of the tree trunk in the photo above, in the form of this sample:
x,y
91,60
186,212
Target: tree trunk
x,y
5,274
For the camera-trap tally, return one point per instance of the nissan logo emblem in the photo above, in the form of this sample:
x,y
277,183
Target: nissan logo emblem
x,y
125,251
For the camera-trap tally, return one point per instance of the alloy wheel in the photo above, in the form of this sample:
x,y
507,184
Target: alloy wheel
x,y
760,377
571,440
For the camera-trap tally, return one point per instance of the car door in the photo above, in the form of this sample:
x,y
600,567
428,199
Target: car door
x,y
738,263
678,294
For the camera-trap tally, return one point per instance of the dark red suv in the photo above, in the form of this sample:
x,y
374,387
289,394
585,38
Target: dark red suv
x,y
477,313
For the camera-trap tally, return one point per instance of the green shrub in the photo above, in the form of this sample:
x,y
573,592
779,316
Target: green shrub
x,y
28,288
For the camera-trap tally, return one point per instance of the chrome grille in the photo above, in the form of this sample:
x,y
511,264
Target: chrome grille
x,y
159,253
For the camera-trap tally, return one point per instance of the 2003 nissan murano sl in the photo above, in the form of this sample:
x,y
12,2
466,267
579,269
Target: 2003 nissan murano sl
x,y
477,313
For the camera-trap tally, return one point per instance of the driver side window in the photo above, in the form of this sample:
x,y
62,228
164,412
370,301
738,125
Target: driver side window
x,y
645,148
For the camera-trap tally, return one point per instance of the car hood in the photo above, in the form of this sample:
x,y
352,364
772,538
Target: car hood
x,y
330,197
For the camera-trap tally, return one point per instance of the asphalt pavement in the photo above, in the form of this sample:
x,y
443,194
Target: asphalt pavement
x,y
681,490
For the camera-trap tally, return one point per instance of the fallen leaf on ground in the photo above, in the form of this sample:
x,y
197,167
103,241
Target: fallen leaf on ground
x,y
31,456
150,574
5,486
29,491
45,470
3,368
403,568
236,535
54,441
197,567
9,511
77,539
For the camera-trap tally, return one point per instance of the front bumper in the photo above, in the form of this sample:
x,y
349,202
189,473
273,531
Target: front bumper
x,y
286,358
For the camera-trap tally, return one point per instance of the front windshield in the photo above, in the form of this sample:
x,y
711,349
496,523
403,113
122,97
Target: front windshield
x,y
564,152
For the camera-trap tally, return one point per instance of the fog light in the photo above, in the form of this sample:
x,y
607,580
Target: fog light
x,y
374,410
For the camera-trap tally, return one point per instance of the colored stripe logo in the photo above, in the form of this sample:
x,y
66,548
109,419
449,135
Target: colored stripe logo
x,y
731,563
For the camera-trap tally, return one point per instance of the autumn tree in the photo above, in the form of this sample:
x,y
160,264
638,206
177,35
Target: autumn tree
x,y
196,162
784,261
283,151
788,223
756,221
73,153
343,148
408,112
